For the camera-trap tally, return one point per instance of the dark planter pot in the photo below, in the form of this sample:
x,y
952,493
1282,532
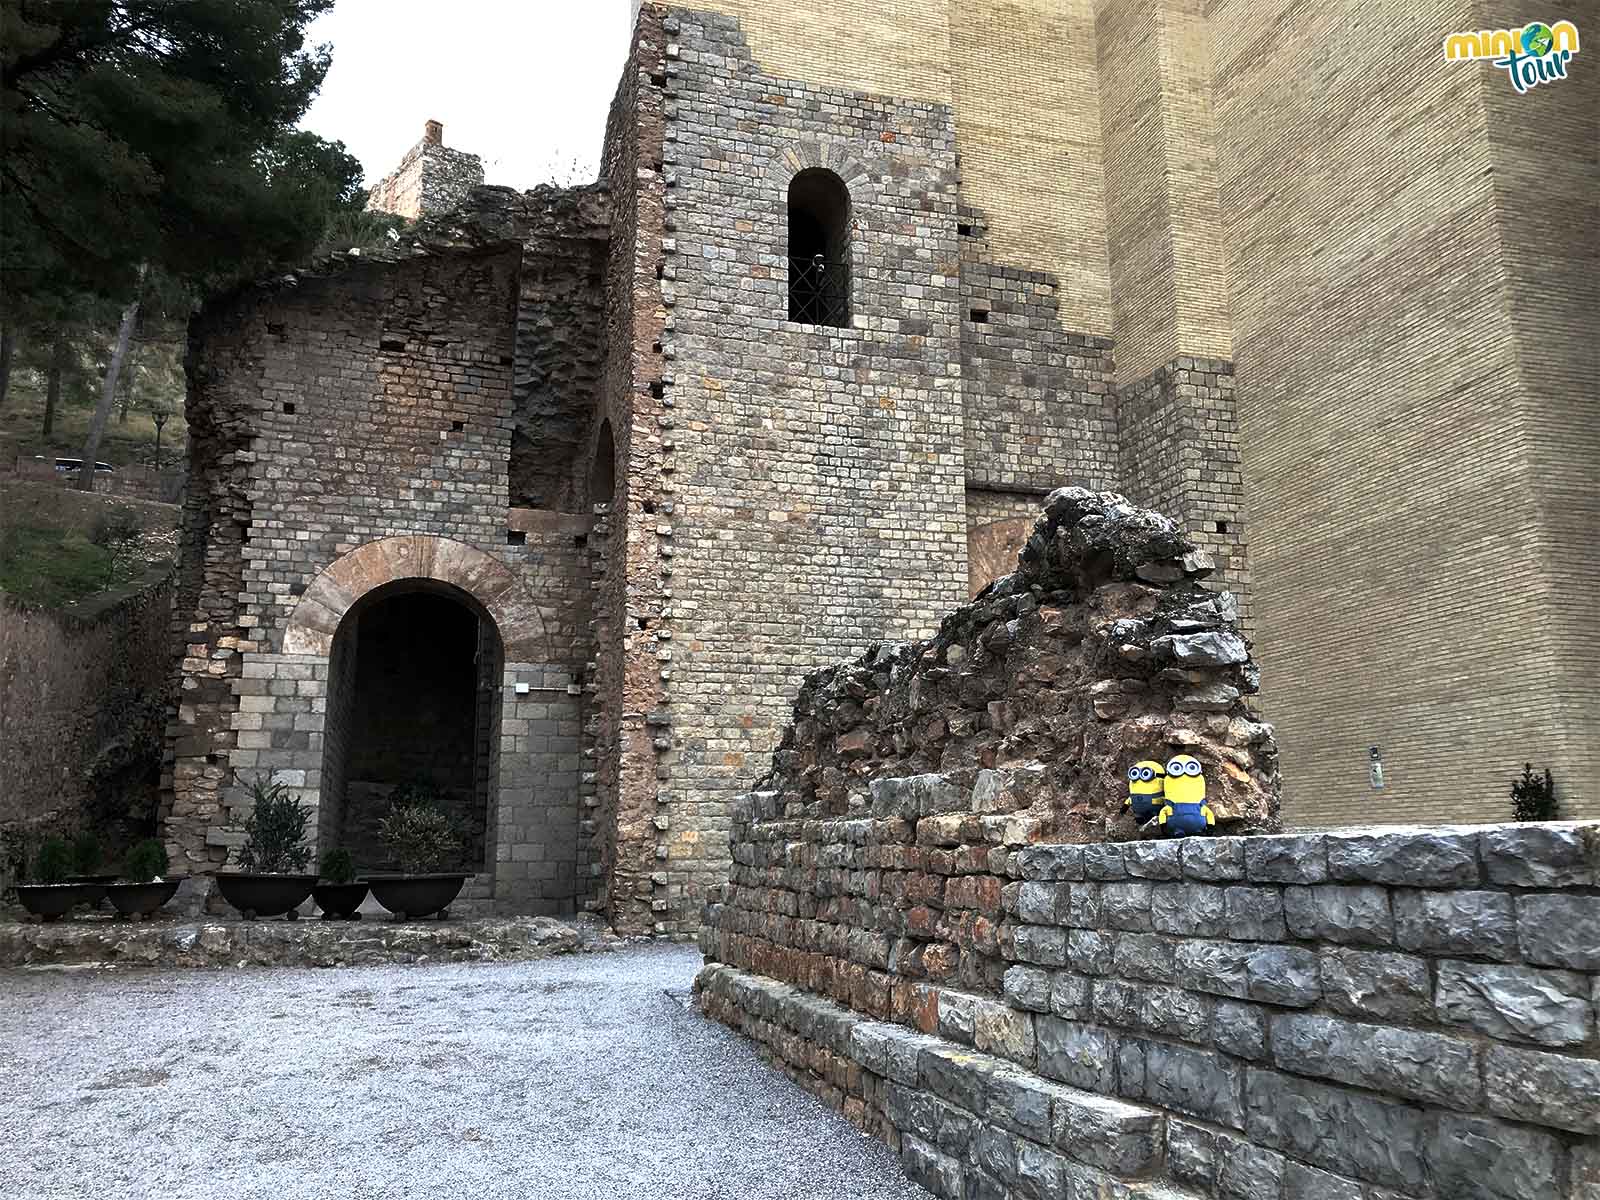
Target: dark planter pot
x,y
49,901
94,887
409,896
138,900
339,901
265,895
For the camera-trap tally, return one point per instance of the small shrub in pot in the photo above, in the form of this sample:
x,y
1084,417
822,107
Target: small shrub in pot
x,y
146,862
50,896
53,863
337,893
424,841
148,885
274,856
275,834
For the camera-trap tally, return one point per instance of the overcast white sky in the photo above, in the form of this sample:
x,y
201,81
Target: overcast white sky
x,y
524,83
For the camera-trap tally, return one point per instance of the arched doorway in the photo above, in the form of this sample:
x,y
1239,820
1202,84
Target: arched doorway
x,y
413,699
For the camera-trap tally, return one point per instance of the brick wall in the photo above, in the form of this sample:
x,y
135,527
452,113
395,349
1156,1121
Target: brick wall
x,y
1365,1014
353,436
1396,434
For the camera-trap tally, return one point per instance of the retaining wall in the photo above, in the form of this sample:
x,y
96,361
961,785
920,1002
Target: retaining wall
x,y
1357,1015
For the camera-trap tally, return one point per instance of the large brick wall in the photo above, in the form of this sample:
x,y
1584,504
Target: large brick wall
x,y
1419,479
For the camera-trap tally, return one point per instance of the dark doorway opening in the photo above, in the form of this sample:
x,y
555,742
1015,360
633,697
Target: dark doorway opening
x,y
413,697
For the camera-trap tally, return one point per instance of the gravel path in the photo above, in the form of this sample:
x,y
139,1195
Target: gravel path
x,y
569,1078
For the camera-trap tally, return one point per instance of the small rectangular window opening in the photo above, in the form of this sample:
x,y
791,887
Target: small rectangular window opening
x,y
457,426
1222,527
980,316
516,537
288,407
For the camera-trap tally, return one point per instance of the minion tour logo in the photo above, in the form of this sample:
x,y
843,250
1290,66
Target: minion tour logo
x,y
1535,54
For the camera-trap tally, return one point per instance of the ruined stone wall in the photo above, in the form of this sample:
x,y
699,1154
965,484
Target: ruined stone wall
x,y
431,179
1103,648
1351,1016
633,599
369,417
560,330
818,471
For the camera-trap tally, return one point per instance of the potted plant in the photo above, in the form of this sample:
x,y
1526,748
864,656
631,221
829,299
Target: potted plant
x,y
423,839
50,895
274,856
85,862
147,886
338,894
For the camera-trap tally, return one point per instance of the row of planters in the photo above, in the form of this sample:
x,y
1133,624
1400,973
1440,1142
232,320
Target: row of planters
x,y
63,877
416,832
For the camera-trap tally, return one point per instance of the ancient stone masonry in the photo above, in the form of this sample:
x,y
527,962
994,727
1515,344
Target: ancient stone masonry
x,y
1361,1015
957,961
351,435
1101,649
431,179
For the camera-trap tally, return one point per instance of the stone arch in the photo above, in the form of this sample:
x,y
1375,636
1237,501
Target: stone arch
x,y
487,580
810,154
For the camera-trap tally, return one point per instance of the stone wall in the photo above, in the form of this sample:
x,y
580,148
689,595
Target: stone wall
x,y
82,700
819,470
1103,648
1362,1015
351,436
431,179
924,926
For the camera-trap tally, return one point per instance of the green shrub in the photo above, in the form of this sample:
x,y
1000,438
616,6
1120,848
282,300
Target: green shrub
x,y
85,854
146,861
276,831
421,838
417,792
338,866
53,863
1534,798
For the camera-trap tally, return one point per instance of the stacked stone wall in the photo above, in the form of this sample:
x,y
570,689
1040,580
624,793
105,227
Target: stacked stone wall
x,y
1361,1015
818,471
352,432
936,922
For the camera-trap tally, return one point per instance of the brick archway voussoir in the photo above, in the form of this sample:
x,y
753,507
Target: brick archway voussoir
x,y
336,589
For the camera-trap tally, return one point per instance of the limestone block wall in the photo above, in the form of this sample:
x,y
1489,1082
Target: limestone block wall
x,y
1395,428
1361,1015
817,481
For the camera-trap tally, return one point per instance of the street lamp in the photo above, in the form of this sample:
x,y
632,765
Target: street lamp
x,y
160,419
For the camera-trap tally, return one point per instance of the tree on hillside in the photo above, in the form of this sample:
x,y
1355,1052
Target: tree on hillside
x,y
155,139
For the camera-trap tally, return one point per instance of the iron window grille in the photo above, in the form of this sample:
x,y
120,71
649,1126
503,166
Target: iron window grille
x,y
819,291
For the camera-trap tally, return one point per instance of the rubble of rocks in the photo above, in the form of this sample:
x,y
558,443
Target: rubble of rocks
x,y
1102,648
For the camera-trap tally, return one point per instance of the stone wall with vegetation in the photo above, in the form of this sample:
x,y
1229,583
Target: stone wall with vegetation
x,y
939,922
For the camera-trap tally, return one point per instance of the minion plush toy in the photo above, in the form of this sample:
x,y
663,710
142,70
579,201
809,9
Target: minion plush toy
x,y
1184,788
1144,790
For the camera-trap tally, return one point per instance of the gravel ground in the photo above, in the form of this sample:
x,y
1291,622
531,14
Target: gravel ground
x,y
568,1078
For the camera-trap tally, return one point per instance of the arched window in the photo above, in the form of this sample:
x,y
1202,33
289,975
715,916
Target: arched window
x,y
819,248
603,471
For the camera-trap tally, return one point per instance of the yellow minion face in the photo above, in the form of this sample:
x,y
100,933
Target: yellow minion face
x,y
1144,778
1184,783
